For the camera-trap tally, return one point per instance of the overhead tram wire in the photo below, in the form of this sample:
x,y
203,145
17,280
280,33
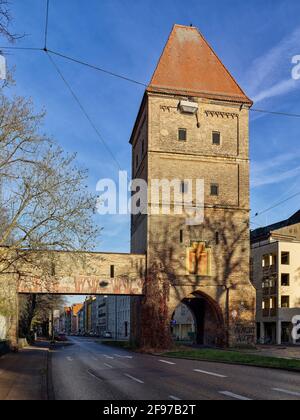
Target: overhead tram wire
x,y
110,73
275,205
77,100
282,114
46,24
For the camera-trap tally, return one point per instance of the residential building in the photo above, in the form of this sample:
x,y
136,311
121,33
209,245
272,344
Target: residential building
x,y
66,320
183,324
75,320
275,273
81,320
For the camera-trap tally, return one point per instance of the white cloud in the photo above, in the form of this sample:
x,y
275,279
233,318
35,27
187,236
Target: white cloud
x,y
267,77
280,88
275,170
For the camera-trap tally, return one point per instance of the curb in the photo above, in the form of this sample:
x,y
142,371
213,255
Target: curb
x,y
229,363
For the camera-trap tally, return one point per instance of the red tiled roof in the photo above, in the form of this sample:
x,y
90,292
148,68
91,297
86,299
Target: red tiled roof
x,y
189,66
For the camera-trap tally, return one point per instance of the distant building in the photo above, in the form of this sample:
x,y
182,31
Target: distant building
x,y
81,320
114,316
65,322
75,322
118,317
275,273
183,324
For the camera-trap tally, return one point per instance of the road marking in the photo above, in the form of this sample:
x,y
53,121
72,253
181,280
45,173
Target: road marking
x,y
210,373
133,378
167,362
235,396
95,358
108,357
69,359
93,375
107,365
174,398
123,357
285,391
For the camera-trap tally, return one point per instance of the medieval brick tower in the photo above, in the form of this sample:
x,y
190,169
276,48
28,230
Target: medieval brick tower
x,y
193,124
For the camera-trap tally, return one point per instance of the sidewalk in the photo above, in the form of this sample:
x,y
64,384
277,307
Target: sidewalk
x,y
23,375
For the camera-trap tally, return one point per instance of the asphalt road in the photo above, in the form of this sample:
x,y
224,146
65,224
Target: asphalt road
x,y
90,371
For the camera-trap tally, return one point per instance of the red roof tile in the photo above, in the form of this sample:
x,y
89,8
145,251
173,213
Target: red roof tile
x,y
189,66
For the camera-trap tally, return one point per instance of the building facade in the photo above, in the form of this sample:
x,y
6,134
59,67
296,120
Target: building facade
x,y
183,324
193,125
276,276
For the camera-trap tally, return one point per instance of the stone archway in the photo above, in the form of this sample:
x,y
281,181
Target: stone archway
x,y
209,321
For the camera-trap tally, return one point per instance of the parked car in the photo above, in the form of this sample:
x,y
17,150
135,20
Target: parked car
x,y
60,337
107,334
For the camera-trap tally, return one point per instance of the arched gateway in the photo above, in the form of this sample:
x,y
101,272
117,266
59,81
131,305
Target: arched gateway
x,y
192,126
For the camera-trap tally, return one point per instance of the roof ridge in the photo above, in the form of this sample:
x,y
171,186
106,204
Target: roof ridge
x,y
189,64
223,65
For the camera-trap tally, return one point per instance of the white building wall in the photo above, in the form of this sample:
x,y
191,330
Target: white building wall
x,y
3,327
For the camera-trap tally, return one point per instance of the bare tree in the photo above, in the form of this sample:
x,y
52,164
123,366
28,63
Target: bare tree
x,y
36,309
45,202
5,22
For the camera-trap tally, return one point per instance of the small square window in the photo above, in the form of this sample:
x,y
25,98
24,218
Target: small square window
x,y
285,280
214,190
182,134
216,138
285,258
112,271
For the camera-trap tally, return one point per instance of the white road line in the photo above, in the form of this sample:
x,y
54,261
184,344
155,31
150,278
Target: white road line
x,y
167,362
133,378
210,373
123,357
93,375
108,357
69,359
95,358
285,391
174,398
235,396
107,365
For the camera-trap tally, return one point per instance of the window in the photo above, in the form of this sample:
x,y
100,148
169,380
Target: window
x,y
266,261
143,148
112,271
184,188
181,236
285,301
214,190
182,134
216,138
217,238
285,279
285,258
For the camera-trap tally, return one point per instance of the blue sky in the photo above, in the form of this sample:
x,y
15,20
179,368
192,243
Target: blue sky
x,y
256,40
